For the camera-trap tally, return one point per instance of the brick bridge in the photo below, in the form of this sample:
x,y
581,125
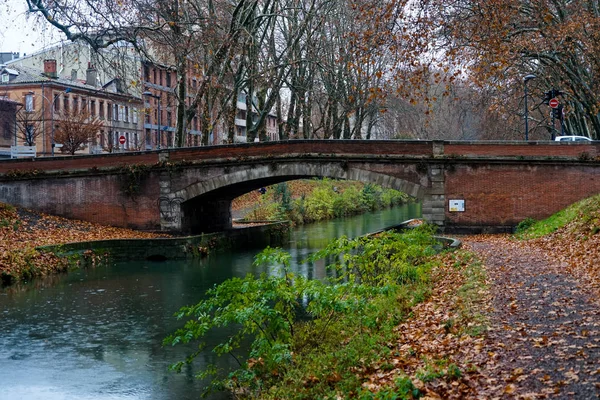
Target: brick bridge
x,y
463,186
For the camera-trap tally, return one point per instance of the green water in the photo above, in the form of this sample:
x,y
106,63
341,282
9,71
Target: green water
x,y
97,333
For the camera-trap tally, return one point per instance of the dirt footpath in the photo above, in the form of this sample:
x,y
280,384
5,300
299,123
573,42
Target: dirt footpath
x,y
545,323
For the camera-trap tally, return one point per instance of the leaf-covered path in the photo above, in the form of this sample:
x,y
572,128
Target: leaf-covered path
x,y
544,340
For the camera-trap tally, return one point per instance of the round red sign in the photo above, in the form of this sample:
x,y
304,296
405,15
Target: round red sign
x,y
553,103
122,139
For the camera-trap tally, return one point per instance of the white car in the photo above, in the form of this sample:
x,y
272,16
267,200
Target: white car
x,y
572,139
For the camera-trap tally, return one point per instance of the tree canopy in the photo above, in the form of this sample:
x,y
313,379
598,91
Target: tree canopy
x,y
340,68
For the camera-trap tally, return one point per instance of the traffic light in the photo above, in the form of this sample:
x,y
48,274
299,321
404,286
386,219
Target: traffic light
x,y
557,112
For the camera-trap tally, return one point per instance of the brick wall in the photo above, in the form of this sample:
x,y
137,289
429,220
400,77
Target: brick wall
x,y
502,195
501,183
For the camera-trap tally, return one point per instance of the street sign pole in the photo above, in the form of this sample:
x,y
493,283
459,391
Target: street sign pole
x,y
554,103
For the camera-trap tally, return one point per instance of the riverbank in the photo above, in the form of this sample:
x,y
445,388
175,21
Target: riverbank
x,y
22,231
538,299
306,201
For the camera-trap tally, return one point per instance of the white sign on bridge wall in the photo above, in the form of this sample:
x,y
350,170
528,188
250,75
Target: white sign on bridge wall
x,y
456,205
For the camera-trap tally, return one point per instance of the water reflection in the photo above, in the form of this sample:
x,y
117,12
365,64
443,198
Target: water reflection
x,y
97,333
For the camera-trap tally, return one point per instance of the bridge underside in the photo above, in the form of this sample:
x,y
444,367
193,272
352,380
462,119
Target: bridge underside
x,y
205,206
211,212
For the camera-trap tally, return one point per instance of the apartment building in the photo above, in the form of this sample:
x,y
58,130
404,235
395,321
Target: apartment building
x,y
153,84
48,98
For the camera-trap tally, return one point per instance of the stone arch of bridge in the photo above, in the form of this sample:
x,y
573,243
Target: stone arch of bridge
x,y
205,206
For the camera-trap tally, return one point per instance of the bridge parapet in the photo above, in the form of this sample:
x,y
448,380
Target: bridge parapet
x,y
501,183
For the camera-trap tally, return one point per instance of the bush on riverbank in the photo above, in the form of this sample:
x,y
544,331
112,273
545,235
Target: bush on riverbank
x,y
320,339
322,199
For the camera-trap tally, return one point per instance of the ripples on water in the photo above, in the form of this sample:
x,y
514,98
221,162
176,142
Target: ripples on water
x,y
97,334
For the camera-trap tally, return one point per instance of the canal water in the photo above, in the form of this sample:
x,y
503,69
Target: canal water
x,y
97,333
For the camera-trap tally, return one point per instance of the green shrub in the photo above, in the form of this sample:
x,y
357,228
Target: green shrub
x,y
524,225
296,325
319,205
329,199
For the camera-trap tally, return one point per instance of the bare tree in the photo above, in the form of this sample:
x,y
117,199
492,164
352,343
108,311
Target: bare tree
x,y
75,130
28,126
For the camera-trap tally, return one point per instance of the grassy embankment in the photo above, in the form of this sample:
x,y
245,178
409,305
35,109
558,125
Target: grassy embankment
x,y
305,201
395,322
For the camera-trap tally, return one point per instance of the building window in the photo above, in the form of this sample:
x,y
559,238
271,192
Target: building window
x,y
75,105
101,111
168,78
115,112
84,105
66,104
126,114
154,76
56,103
29,102
160,77
146,72
169,118
5,78
102,141
109,111
93,108
7,131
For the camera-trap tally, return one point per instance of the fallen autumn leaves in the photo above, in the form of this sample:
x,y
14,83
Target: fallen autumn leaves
x,y
540,306
21,231
543,338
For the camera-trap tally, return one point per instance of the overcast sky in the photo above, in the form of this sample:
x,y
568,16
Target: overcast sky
x,y
21,34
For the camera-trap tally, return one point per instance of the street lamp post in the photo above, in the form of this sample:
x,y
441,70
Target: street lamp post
x,y
157,97
526,79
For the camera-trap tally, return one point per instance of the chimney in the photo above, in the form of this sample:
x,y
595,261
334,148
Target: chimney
x,y
119,85
91,75
50,68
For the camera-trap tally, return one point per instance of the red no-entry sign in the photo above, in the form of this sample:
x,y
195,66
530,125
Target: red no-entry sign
x,y
122,139
553,103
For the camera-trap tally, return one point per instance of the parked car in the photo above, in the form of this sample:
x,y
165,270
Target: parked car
x,y
572,139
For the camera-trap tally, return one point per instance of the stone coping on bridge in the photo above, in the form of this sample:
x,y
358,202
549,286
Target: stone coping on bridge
x,y
293,149
260,236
